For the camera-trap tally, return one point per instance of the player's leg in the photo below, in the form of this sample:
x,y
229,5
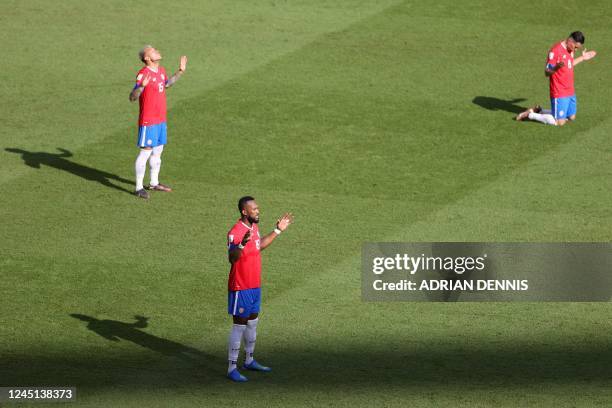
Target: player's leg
x,y
540,115
155,165
547,119
537,114
155,161
236,307
250,334
140,166
525,114
572,109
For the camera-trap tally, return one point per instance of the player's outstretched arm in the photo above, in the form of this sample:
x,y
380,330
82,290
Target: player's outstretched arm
x,y
177,75
586,55
281,225
138,88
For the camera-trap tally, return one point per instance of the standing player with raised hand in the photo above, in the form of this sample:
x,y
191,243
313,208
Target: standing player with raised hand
x,y
244,285
151,84
560,71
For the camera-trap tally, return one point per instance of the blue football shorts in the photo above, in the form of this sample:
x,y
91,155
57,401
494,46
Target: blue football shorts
x,y
152,135
563,108
243,303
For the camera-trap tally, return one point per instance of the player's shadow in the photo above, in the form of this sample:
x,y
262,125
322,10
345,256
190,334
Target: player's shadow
x,y
59,161
494,104
116,331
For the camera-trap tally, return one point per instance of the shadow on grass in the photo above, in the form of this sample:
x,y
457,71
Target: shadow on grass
x,y
59,161
494,104
480,363
114,330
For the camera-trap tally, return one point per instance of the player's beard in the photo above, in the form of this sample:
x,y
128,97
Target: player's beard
x,y
253,220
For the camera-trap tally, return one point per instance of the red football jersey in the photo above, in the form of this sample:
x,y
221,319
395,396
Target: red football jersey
x,y
245,273
153,97
562,81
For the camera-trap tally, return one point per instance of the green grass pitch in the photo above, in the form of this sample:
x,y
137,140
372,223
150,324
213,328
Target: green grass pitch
x,y
371,121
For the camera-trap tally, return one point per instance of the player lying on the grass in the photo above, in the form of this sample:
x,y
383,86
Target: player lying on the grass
x,y
244,284
151,83
560,71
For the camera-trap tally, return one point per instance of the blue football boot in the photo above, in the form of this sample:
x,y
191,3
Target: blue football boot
x,y
235,376
255,366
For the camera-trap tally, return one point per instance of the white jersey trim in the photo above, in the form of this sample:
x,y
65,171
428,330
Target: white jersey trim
x,y
235,303
144,136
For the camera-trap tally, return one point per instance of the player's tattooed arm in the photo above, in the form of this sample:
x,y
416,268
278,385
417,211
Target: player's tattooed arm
x,y
172,80
281,224
135,94
177,75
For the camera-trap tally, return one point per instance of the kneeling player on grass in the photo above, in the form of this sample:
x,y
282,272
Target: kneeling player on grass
x,y
150,90
560,71
244,285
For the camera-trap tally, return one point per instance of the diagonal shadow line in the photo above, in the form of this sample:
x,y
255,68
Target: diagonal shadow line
x,y
59,161
116,331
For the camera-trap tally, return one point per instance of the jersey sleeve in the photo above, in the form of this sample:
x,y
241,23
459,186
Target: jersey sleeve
x,y
233,239
551,61
139,78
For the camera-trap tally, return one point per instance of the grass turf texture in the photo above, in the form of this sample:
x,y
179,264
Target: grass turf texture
x,y
386,121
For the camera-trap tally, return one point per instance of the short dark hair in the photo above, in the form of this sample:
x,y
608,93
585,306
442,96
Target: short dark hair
x,y
242,202
577,36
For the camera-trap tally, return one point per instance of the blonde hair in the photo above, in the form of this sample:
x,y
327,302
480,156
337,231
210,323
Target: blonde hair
x,y
141,53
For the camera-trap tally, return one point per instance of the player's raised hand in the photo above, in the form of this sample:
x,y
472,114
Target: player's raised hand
x,y
246,238
587,55
283,222
183,63
145,80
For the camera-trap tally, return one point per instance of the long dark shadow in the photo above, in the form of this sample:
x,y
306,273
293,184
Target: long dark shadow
x,y
59,161
115,330
494,104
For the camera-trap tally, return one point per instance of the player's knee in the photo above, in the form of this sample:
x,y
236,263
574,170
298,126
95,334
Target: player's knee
x,y
561,122
155,160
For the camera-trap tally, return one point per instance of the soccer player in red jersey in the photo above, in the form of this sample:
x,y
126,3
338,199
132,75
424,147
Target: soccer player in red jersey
x,y
150,90
244,284
560,71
